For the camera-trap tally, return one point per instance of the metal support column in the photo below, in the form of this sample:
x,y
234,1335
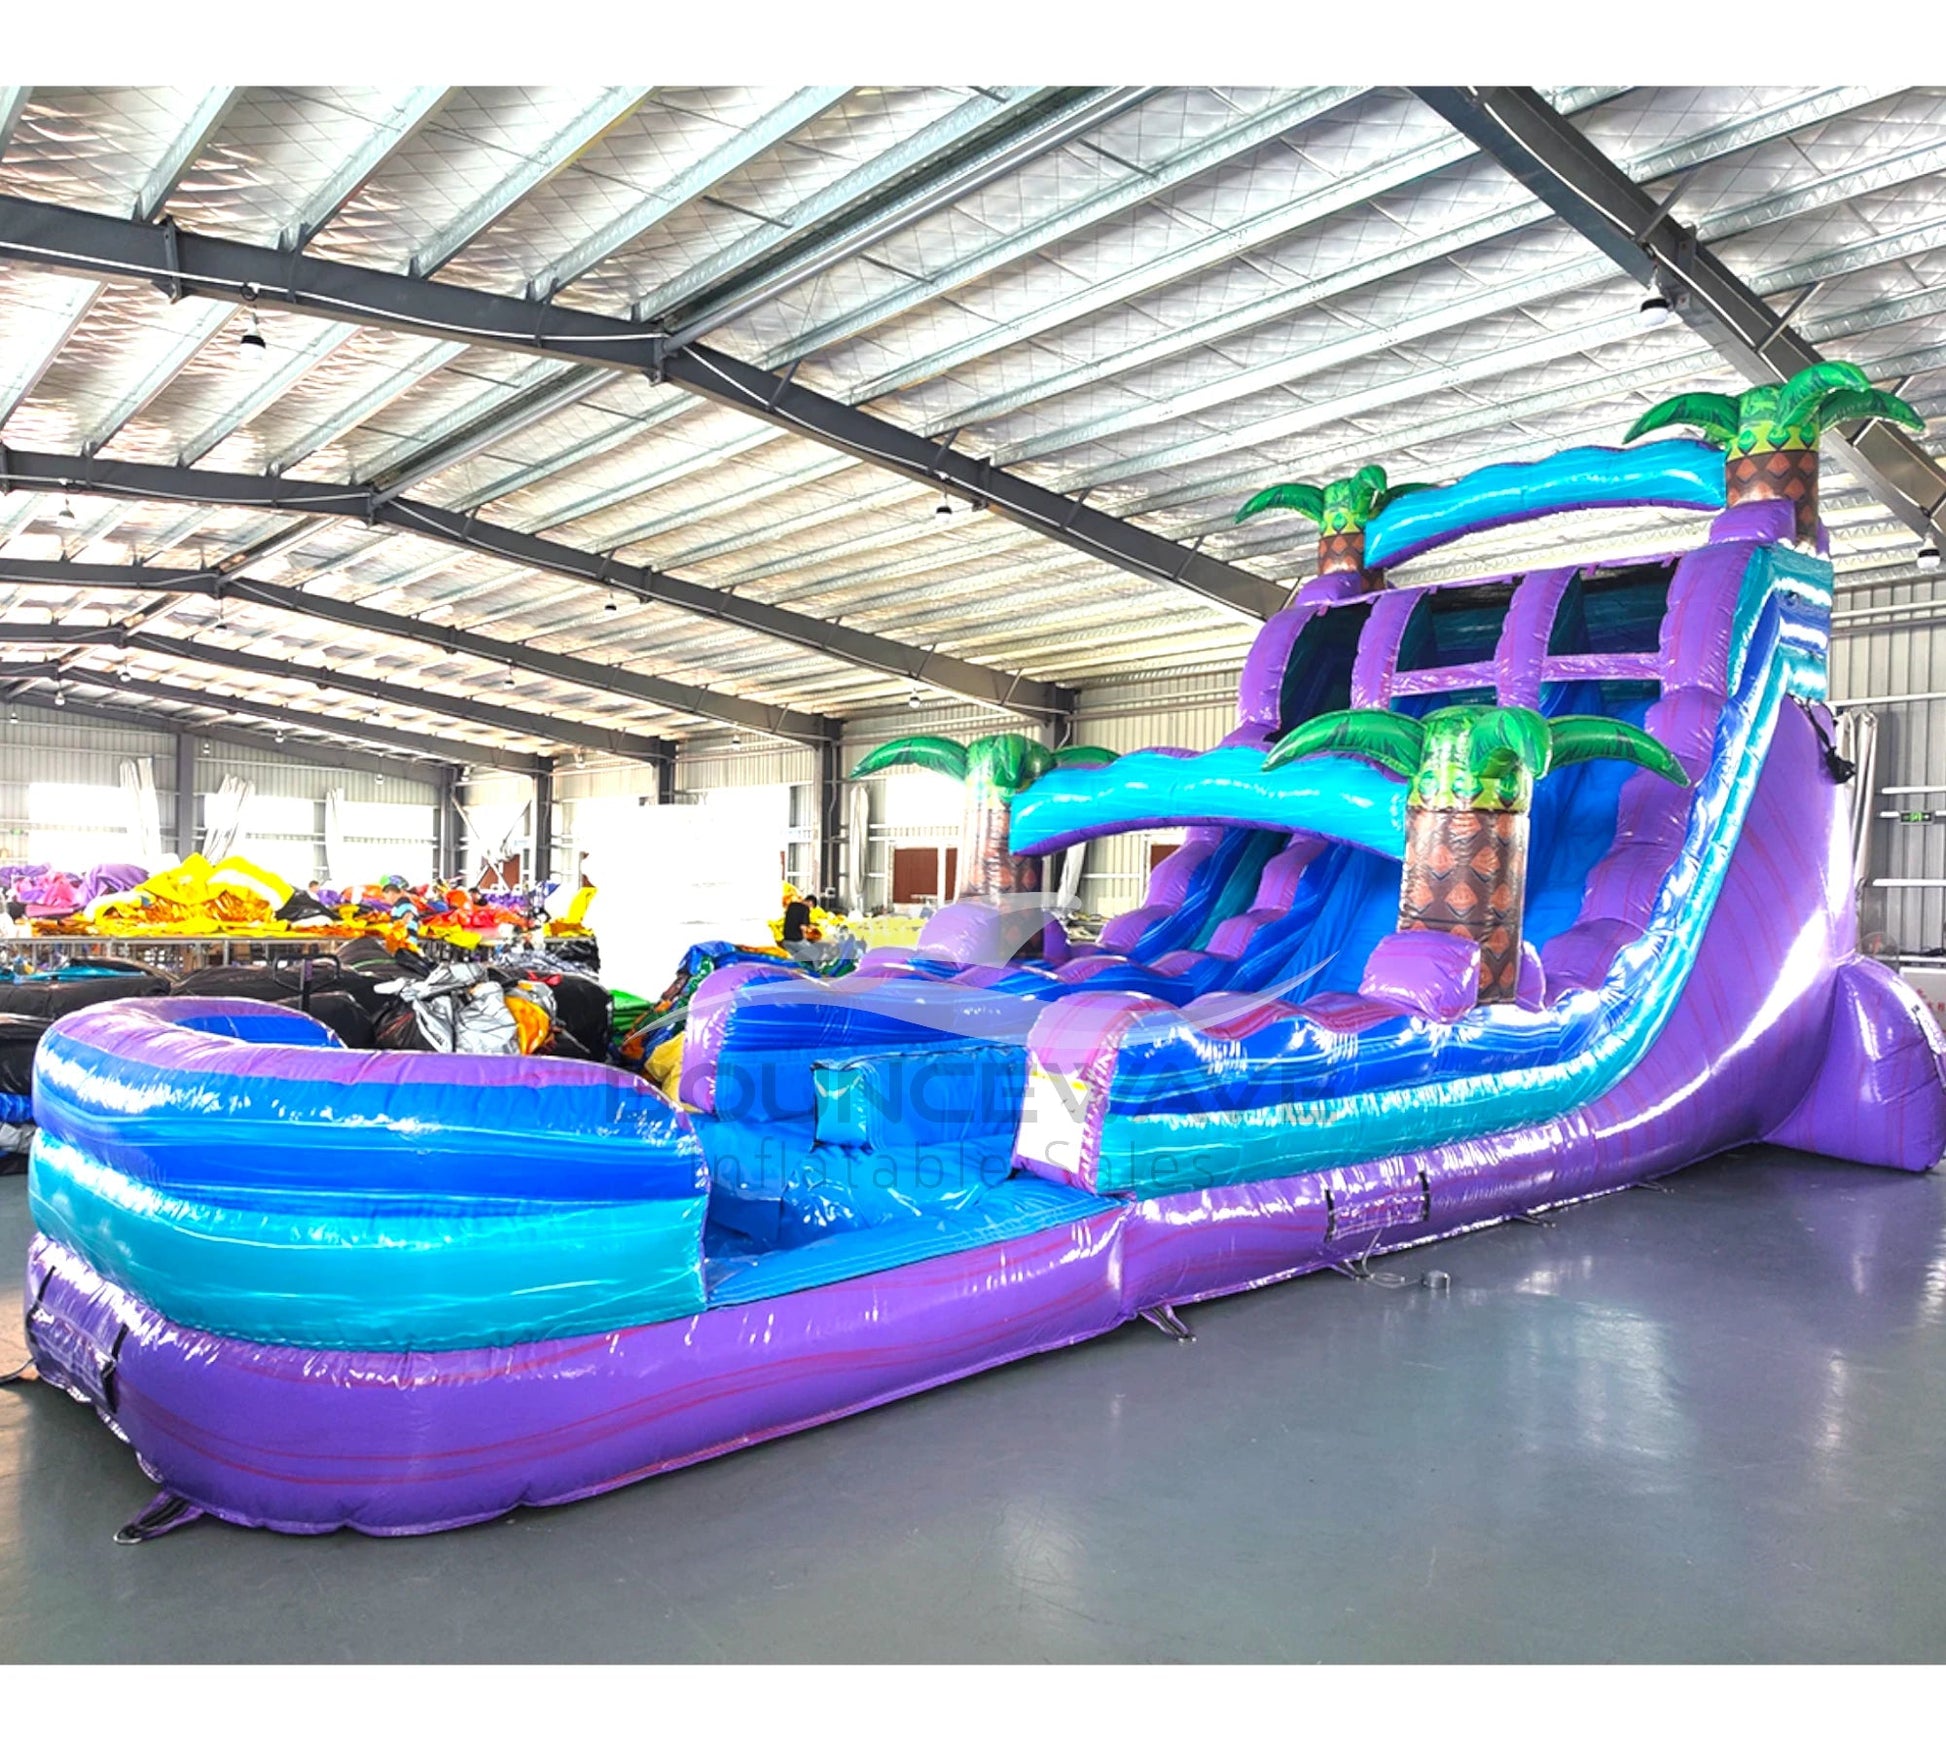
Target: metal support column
x,y
447,828
665,781
544,824
831,814
185,794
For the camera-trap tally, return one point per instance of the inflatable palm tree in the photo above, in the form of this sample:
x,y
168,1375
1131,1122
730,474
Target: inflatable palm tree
x,y
1341,511
995,770
1473,769
1770,433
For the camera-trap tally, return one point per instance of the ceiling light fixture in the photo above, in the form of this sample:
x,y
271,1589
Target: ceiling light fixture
x,y
912,700
60,694
277,735
736,738
252,350
513,680
1928,560
65,516
1659,307
611,606
124,673
944,508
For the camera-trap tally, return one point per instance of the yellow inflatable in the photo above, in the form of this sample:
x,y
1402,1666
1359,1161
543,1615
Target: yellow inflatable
x,y
195,898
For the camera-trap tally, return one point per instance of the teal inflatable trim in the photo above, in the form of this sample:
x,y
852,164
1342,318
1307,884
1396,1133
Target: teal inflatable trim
x,y
1678,471
1333,797
388,1281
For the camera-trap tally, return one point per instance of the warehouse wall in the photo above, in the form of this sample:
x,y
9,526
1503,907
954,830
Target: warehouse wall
x,y
1880,657
46,745
1190,708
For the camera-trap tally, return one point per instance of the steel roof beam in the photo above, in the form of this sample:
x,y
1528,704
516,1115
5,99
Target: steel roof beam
x,y
401,124
1766,123
535,401
142,480
948,160
11,673
568,142
1480,227
652,749
437,748
67,574
60,237
156,190
1557,162
1495,300
788,403
341,757
1594,270
674,696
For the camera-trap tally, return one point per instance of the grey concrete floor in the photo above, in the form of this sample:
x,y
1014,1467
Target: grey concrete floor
x,y
1705,1426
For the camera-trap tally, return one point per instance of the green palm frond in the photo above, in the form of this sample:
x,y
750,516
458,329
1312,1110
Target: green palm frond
x,y
1715,416
1367,493
1085,757
1392,494
1841,406
1010,762
1806,388
1509,739
1608,738
933,753
1307,501
1386,738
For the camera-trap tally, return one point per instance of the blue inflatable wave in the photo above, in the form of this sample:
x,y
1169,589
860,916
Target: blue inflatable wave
x,y
245,1173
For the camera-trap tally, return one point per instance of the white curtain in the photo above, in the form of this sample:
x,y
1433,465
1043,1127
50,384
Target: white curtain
x,y
223,817
858,849
144,812
337,867
1857,741
1068,896
493,826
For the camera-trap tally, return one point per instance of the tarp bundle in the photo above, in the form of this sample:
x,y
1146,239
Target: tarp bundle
x,y
463,1007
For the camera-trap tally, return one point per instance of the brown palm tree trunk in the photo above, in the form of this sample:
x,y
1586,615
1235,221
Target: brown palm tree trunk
x,y
1345,552
1466,873
1788,475
986,866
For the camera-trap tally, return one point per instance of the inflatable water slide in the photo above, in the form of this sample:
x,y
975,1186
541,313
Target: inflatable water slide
x,y
1503,893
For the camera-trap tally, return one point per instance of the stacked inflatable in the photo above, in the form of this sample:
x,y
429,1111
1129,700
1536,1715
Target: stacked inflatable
x,y
1502,893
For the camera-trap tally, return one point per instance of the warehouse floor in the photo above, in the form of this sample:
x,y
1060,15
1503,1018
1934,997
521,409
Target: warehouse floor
x,y
1701,1426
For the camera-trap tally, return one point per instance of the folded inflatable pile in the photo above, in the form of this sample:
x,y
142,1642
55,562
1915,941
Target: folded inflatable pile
x,y
235,897
1502,893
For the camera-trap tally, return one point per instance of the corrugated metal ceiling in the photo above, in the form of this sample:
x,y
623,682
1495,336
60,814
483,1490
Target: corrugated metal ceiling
x,y
1162,297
